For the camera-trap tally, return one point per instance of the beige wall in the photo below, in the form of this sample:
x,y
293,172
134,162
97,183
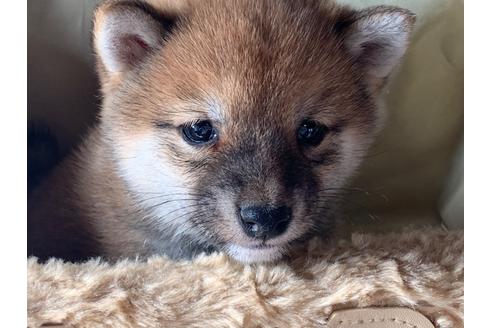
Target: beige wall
x,y
411,161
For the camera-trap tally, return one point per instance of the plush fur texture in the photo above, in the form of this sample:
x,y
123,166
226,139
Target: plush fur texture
x,y
420,269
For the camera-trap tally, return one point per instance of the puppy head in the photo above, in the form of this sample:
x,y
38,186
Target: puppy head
x,y
238,122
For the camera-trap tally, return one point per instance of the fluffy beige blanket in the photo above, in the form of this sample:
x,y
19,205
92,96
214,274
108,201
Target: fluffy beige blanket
x,y
422,270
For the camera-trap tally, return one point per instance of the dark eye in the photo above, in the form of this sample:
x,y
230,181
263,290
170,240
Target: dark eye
x,y
201,132
311,133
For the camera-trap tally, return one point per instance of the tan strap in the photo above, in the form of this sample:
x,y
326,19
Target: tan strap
x,y
394,317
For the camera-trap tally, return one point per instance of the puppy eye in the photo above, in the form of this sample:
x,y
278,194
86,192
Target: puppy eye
x,y
199,133
311,133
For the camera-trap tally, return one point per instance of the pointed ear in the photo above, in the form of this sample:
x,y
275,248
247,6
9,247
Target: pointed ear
x,y
377,38
124,34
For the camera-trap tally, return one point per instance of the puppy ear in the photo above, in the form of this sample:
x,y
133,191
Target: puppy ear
x,y
377,38
124,34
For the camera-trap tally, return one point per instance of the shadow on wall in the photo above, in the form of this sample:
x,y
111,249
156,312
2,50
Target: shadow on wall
x,y
61,80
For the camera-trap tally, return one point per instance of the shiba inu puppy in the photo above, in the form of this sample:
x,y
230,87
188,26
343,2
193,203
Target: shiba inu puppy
x,y
228,125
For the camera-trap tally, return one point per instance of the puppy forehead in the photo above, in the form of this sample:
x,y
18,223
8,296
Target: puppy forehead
x,y
229,62
251,46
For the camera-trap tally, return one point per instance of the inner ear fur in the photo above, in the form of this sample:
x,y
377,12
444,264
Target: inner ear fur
x,y
125,33
377,38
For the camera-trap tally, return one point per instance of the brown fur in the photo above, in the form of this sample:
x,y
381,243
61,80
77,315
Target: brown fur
x,y
265,66
421,270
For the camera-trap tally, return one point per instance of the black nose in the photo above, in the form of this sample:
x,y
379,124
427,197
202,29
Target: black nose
x,y
265,221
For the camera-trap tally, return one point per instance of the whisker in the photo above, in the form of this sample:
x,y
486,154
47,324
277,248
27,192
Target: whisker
x,y
143,200
347,193
194,213
185,207
152,207
169,227
350,202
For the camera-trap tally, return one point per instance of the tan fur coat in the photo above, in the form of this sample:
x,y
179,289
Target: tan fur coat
x,y
420,269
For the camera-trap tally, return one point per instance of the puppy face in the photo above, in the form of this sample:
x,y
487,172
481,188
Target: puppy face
x,y
236,123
